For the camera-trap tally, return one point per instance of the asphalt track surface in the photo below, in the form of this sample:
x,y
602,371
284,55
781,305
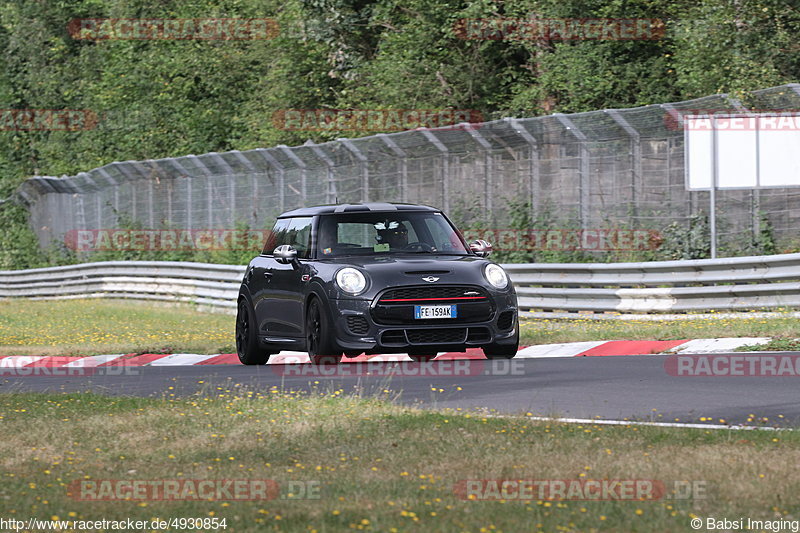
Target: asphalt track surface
x,y
612,388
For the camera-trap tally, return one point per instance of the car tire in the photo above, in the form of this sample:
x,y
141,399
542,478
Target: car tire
x,y
503,351
247,348
321,349
422,357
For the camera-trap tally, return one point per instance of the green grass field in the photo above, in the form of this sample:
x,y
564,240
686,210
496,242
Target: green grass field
x,y
376,466
88,327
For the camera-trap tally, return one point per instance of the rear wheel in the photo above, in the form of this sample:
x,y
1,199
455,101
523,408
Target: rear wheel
x,y
247,348
321,349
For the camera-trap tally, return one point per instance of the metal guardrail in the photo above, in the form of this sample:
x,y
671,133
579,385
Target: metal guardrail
x,y
730,284
738,283
200,283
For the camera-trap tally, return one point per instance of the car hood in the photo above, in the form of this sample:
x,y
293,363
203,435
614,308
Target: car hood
x,y
411,269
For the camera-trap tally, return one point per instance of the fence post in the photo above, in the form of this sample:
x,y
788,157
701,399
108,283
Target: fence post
x,y
209,188
330,194
253,171
445,167
362,161
487,167
636,153
302,166
403,164
231,185
585,179
534,163
281,178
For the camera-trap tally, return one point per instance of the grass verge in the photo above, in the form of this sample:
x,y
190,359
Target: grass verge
x,y
89,327
777,344
92,326
378,466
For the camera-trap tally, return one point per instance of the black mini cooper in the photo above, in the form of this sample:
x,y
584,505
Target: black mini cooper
x,y
373,278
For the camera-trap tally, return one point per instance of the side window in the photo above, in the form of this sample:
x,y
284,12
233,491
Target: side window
x,y
298,236
276,236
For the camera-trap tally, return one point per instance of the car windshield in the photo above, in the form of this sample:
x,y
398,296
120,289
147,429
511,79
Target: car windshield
x,y
386,233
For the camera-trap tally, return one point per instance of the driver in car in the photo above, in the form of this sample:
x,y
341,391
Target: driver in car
x,y
395,234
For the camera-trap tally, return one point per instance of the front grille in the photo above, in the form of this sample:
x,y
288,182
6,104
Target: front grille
x,y
395,306
426,293
357,325
436,336
396,336
479,335
505,320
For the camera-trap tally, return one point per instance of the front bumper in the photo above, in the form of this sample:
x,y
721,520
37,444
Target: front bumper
x,y
356,329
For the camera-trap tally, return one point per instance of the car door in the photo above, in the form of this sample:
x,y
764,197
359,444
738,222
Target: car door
x,y
283,305
260,279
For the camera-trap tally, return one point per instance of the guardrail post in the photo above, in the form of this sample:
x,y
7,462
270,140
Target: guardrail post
x,y
362,161
445,166
403,164
585,179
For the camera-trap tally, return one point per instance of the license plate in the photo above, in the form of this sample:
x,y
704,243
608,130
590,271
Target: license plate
x,y
434,311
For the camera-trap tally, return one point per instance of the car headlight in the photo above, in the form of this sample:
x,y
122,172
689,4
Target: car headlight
x,y
496,276
351,280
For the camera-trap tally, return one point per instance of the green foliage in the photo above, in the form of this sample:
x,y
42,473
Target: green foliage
x,y
764,240
689,240
171,98
19,246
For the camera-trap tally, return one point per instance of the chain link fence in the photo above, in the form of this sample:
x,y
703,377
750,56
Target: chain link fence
x,y
600,169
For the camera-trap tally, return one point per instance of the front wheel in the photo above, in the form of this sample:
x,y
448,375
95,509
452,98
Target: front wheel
x,y
500,351
321,349
247,348
503,351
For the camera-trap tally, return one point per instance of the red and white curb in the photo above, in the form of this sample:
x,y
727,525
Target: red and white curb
x,y
570,349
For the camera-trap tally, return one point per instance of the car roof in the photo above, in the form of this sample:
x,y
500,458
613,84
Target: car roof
x,y
355,208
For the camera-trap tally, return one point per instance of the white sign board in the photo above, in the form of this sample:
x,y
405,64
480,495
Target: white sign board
x,y
749,151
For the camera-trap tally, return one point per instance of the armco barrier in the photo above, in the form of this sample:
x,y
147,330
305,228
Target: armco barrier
x,y
201,283
736,283
660,286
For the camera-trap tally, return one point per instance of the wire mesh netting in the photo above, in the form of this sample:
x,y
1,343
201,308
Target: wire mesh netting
x,y
587,170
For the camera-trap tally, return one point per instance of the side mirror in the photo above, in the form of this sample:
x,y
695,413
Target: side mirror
x,y
480,248
285,254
